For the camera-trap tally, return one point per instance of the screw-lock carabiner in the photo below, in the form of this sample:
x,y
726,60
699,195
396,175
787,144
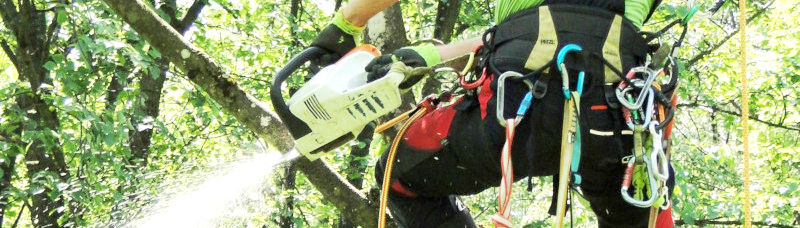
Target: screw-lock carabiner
x,y
501,91
626,183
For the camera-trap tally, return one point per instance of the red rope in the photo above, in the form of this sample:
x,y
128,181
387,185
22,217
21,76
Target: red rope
x,y
501,219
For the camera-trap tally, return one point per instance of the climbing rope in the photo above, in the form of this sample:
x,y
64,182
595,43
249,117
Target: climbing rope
x,y
387,174
745,112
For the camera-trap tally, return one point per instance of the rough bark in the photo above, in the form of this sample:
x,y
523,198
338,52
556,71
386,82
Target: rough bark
x,y
252,113
446,17
44,157
386,30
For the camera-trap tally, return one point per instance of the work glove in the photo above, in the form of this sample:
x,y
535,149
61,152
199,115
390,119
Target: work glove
x,y
337,39
416,56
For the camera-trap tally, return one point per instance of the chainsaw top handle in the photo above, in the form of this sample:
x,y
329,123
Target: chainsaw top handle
x,y
296,127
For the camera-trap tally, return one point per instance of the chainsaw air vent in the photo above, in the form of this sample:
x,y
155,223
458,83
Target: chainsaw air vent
x,y
312,103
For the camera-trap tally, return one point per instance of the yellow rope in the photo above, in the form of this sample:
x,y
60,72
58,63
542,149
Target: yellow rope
x,y
387,174
745,112
393,121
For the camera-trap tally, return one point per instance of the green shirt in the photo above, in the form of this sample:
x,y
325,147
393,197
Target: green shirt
x,y
635,10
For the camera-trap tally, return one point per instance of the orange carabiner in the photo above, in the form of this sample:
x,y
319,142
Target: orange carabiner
x,y
475,84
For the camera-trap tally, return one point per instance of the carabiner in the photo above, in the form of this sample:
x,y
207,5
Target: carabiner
x,y
657,155
624,88
648,115
501,91
626,183
563,69
474,84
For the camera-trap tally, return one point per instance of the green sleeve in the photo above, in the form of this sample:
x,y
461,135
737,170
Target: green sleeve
x,y
508,7
635,10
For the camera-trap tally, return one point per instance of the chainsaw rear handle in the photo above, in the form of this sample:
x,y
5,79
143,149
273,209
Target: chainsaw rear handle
x,y
296,127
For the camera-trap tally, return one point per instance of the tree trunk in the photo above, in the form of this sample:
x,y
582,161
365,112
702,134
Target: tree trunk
x,y
289,181
44,157
386,30
252,113
8,164
354,171
150,87
446,17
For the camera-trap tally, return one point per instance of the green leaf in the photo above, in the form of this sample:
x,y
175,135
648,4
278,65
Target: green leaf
x,y
109,139
61,17
154,53
49,65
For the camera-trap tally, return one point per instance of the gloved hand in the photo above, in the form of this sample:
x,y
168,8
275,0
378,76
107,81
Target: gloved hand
x,y
417,56
337,38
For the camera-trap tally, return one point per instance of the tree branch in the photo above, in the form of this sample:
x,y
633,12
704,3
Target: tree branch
x,y
5,138
446,17
754,118
733,222
9,52
9,13
191,15
716,46
252,113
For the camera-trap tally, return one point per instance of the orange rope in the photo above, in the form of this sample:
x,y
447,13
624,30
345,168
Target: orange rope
x,y
387,174
502,218
745,112
393,121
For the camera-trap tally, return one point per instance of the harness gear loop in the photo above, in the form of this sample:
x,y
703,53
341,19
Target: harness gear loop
x,y
570,133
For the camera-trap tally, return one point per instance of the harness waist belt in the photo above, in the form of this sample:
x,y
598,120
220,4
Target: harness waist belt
x,y
544,24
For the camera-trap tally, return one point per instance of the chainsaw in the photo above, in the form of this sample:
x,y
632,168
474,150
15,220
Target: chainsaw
x,y
337,103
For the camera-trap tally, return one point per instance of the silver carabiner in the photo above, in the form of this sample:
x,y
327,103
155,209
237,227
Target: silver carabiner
x,y
501,91
626,180
666,204
621,90
648,113
657,155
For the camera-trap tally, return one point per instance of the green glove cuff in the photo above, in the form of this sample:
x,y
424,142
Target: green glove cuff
x,y
428,53
346,26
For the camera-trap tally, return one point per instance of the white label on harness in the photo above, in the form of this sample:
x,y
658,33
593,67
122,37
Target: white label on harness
x,y
608,133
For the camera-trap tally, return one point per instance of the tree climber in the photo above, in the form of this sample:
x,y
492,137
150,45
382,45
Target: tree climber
x,y
455,150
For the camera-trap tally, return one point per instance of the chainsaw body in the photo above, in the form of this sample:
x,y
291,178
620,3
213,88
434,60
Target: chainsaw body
x,y
337,103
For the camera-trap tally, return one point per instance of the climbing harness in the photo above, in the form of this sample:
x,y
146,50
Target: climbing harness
x,y
501,219
570,133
